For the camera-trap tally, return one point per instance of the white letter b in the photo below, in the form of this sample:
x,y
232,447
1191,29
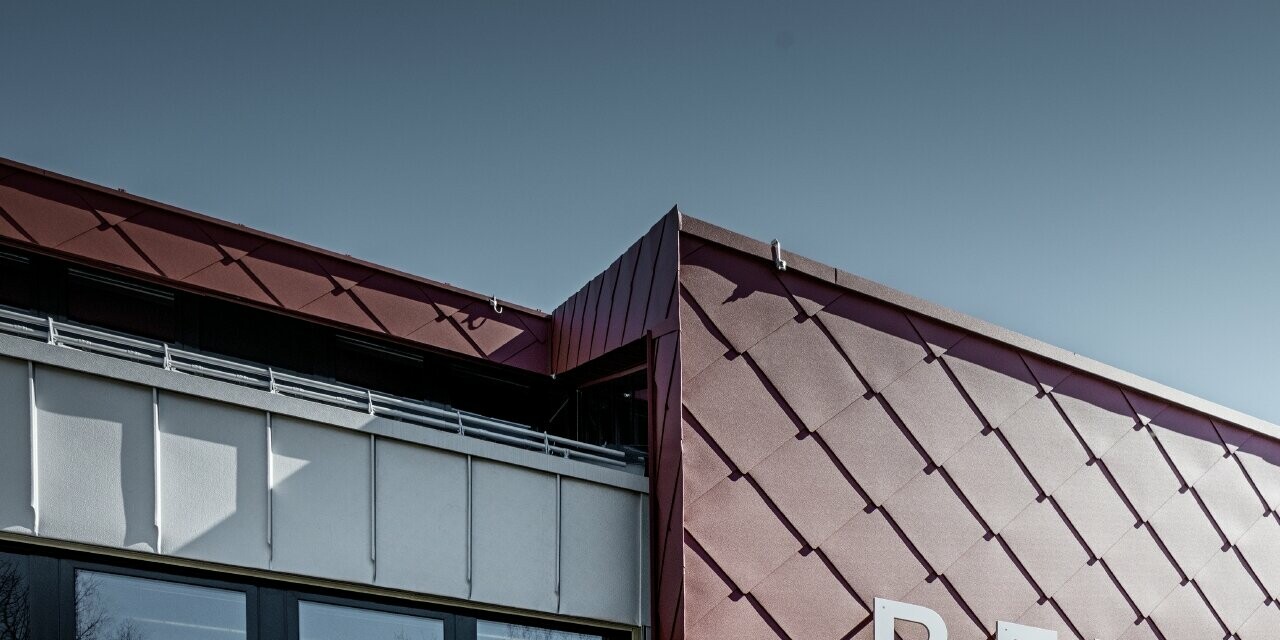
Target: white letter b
x,y
887,611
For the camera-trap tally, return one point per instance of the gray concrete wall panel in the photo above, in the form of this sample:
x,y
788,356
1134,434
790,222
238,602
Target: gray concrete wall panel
x,y
213,487
600,541
421,530
16,514
514,536
320,501
96,466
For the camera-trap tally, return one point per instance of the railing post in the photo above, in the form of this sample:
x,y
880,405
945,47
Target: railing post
x,y
369,394
53,331
271,380
168,358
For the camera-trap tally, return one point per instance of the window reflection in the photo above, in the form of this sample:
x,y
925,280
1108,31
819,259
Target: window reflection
x,y
114,607
329,622
503,631
14,614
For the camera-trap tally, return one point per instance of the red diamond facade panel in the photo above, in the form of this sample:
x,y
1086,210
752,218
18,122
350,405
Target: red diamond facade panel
x,y
94,225
872,451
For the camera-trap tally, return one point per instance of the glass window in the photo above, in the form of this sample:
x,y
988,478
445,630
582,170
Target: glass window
x,y
115,607
329,622
14,614
503,631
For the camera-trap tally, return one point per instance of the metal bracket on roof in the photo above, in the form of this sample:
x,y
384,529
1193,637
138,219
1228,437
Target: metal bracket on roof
x,y
493,302
777,256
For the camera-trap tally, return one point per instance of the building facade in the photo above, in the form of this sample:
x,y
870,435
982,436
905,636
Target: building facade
x,y
210,432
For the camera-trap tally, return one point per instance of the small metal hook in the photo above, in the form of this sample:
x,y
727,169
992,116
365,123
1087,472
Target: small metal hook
x,y
493,302
777,256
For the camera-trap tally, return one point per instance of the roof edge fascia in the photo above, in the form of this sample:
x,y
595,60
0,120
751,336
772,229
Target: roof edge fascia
x,y
125,195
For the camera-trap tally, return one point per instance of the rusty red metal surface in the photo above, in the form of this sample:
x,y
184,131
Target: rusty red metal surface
x,y
55,214
838,448
631,298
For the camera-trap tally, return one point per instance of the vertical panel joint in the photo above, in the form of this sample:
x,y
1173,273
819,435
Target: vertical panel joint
x,y
155,468
34,436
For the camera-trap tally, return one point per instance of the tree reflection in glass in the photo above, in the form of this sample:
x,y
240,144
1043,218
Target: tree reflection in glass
x,y
15,615
115,607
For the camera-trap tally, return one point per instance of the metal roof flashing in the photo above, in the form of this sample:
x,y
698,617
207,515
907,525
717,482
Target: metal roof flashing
x,y
715,234
125,195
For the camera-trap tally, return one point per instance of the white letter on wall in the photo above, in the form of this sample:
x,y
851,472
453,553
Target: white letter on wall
x,y
1011,631
887,611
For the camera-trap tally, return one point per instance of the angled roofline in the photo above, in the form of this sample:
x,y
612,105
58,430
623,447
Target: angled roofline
x,y
125,195
714,234
367,298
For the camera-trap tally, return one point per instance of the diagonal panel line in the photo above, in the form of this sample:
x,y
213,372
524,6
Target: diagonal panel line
x,y
589,318
256,280
679,612
1252,574
695,546
1071,526
831,568
766,616
1209,605
955,595
1026,575
607,303
701,431
629,314
364,308
844,471
826,331
707,324
1137,612
672,385
138,250
641,313
973,407
671,514
14,223
653,271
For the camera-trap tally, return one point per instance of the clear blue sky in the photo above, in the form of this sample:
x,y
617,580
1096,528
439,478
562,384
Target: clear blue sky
x,y
1103,176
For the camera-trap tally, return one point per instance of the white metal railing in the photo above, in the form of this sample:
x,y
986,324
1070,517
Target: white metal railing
x,y
169,357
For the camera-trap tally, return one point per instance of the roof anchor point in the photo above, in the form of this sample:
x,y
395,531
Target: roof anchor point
x,y
493,303
777,256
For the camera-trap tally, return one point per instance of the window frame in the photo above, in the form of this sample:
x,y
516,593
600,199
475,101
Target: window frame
x,y
293,611
67,591
271,605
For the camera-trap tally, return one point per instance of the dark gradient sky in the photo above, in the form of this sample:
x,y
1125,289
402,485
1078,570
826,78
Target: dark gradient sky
x,y
1103,176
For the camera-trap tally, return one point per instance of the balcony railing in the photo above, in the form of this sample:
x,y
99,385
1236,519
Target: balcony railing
x,y
171,358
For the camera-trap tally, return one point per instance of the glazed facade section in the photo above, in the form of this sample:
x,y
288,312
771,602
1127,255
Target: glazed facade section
x,y
45,595
837,449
